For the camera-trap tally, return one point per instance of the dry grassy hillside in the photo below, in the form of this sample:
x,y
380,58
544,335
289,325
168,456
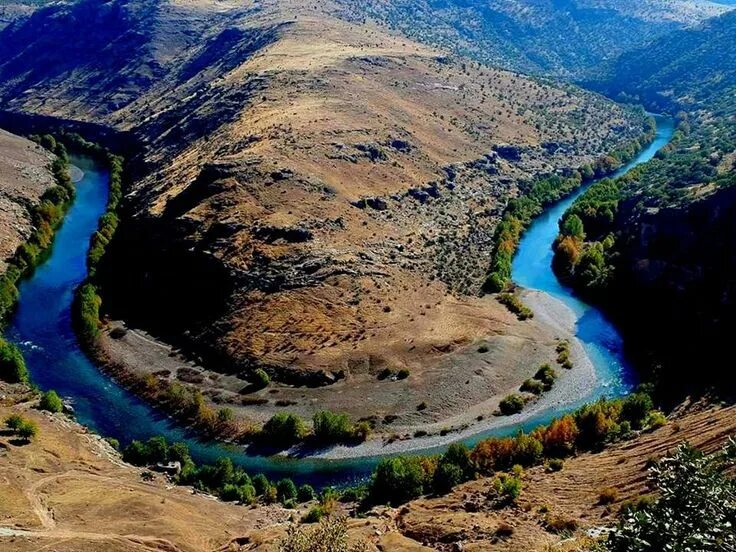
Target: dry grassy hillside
x,y
312,196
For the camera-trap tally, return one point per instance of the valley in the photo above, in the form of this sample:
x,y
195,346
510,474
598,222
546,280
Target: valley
x,y
327,256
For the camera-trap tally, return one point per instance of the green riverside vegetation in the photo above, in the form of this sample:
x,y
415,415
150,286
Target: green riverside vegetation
x,y
46,217
521,211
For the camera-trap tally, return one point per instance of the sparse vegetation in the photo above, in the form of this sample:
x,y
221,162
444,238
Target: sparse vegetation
x,y
51,402
514,304
511,404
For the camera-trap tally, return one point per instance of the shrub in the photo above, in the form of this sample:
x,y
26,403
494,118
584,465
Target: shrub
x,y
331,535
547,375
514,304
508,488
446,477
12,366
635,408
230,493
655,419
560,525
260,483
608,495
51,401
286,490
314,515
694,509
246,494
27,430
87,313
14,421
260,378
532,386
555,465
305,493
330,427
511,404
283,430
559,437
402,374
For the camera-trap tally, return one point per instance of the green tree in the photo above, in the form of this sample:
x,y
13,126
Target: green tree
x,y
397,480
283,429
695,508
51,401
573,226
12,366
28,430
286,490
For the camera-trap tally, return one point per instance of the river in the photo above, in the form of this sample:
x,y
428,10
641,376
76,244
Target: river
x,y
42,328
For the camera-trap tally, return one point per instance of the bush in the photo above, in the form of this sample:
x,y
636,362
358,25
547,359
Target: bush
x,y
635,408
655,420
283,430
511,404
246,494
608,495
12,366
514,304
446,477
51,401
508,488
532,386
330,427
14,421
286,490
314,515
403,374
260,378
547,375
27,430
260,484
87,313
559,437
305,493
555,465
331,535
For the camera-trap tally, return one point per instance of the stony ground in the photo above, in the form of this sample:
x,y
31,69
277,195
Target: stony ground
x,y
24,176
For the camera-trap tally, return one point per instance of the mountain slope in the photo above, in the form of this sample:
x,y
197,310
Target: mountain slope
x,y
313,197
683,70
568,38
670,271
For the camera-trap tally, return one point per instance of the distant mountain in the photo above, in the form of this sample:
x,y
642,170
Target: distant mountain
x,y
567,38
680,70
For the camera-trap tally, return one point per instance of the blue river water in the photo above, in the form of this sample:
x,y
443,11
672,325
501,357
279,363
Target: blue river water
x,y
42,328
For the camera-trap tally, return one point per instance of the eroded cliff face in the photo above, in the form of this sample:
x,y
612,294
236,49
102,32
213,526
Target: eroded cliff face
x,y
310,194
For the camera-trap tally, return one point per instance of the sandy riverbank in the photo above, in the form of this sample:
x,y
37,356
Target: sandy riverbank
x,y
571,386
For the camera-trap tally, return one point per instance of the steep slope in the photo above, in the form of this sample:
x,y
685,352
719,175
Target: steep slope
x,y
568,38
24,176
313,197
669,272
683,70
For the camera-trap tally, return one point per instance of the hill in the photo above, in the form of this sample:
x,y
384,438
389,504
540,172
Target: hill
x,y
568,38
310,196
681,71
